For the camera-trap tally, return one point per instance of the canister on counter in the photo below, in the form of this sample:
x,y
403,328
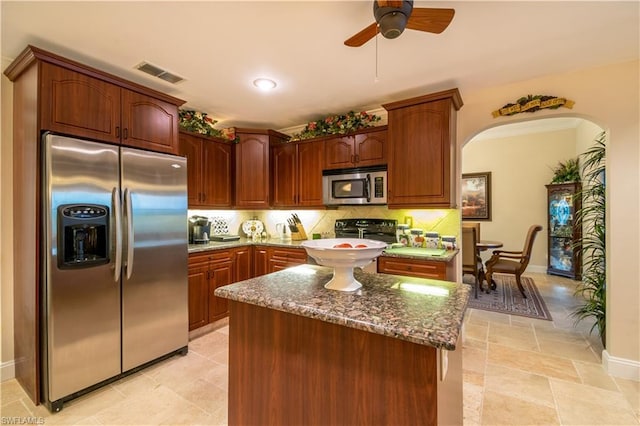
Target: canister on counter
x,y
448,242
402,234
417,240
432,240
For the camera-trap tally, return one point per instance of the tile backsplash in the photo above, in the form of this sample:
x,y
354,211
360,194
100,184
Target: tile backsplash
x,y
445,221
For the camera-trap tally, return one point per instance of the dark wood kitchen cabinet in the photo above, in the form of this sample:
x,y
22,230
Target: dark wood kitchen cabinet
x,y
52,93
209,170
422,150
252,177
415,268
296,169
367,147
260,261
282,258
243,264
268,259
209,270
79,104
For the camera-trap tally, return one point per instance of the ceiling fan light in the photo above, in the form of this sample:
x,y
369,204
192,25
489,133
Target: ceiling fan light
x,y
392,24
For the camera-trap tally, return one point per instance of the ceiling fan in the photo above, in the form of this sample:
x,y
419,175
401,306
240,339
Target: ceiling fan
x,y
392,17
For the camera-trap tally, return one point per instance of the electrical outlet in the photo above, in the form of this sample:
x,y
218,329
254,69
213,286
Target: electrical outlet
x,y
409,221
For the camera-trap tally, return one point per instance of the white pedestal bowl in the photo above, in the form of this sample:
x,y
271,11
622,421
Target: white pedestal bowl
x,y
343,260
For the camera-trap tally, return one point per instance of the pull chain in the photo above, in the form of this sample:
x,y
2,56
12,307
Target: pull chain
x,y
376,78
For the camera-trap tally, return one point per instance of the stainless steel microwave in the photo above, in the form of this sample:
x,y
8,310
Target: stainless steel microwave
x,y
365,185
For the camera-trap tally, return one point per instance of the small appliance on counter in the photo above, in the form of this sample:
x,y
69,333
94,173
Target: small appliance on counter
x,y
199,230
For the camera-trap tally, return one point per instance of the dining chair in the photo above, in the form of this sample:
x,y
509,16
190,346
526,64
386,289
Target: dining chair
x,y
513,262
470,256
475,225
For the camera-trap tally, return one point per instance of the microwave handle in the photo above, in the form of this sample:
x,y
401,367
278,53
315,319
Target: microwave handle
x,y
367,188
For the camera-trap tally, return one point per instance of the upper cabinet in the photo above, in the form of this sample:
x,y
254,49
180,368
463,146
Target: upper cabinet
x,y
252,177
209,170
365,148
421,150
77,104
77,100
296,169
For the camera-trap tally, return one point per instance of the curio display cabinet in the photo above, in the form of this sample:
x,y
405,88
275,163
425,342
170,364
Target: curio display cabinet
x,y
564,257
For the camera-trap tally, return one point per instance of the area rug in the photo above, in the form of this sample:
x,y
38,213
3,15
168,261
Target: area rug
x,y
506,298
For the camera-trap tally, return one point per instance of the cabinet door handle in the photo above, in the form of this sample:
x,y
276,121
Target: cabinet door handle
x,y
125,131
353,158
204,196
357,158
117,131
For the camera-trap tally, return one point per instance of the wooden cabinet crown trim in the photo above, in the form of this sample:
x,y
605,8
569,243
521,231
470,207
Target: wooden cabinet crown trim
x,y
269,132
205,137
31,53
453,94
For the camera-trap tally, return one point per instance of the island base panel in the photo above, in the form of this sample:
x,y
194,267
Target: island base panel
x,y
286,369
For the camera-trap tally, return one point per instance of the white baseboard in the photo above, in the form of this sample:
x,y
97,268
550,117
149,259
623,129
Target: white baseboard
x,y
7,370
621,367
536,268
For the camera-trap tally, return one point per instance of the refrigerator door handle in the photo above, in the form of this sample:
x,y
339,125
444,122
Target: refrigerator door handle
x,y
130,240
117,210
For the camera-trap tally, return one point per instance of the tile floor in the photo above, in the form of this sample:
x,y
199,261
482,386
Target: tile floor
x,y
517,371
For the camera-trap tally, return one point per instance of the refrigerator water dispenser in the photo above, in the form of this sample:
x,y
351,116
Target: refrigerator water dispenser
x,y
83,235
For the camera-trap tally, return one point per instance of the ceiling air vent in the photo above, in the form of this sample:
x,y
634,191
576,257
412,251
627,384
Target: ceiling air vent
x,y
156,71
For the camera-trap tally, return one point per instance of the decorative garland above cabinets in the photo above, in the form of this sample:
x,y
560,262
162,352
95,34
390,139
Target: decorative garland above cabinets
x,y
533,103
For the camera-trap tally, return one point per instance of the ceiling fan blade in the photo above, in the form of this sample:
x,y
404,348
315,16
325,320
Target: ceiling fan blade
x,y
430,20
363,36
390,3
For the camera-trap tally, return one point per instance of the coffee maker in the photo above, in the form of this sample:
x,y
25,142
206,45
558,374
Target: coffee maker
x,y
199,230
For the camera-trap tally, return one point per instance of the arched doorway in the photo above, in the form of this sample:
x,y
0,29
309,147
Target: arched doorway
x,y
521,157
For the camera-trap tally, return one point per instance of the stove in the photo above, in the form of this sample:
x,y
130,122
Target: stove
x,y
373,229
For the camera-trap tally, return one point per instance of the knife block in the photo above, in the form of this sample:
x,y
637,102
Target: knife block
x,y
300,234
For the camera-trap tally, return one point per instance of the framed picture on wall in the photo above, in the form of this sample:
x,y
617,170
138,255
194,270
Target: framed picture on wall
x,y
476,196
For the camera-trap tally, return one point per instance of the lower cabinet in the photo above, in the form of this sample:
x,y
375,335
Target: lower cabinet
x,y
283,258
216,268
271,259
415,268
208,271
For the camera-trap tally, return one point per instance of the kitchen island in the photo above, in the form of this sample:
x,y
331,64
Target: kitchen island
x,y
387,353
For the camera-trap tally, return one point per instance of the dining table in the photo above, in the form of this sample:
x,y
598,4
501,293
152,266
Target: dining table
x,y
484,245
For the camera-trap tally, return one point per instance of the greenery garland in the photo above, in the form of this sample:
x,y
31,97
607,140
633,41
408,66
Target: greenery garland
x,y
200,122
337,124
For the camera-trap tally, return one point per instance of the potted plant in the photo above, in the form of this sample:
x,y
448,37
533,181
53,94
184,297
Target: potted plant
x,y
592,219
569,171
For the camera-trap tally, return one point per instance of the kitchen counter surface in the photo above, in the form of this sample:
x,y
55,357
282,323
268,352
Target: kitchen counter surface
x,y
422,311
419,254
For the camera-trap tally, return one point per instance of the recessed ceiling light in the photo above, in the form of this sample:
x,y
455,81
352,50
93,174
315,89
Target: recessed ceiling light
x,y
264,83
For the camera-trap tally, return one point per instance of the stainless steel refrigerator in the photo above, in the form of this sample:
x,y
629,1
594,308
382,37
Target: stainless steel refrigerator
x,y
115,286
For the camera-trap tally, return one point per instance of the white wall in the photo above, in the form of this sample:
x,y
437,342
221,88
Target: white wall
x,y
520,168
610,97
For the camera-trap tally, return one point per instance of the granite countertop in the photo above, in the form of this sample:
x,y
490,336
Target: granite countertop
x,y
422,311
213,245
414,254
